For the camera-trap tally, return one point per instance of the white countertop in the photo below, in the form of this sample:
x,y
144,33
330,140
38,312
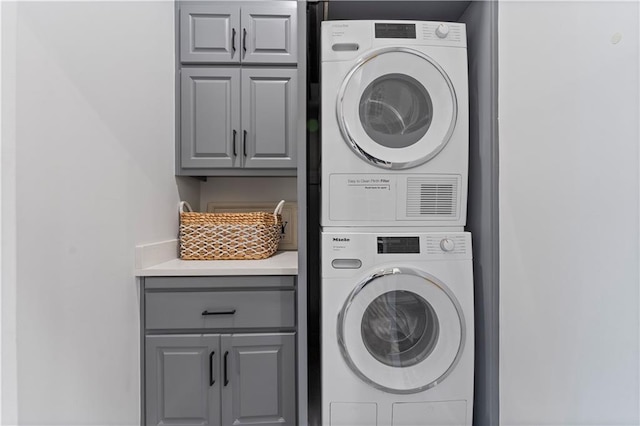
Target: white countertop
x,y
281,263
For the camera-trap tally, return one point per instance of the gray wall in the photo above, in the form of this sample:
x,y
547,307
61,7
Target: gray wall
x,y
482,215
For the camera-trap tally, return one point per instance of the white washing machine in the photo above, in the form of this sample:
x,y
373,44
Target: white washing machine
x,y
395,123
397,328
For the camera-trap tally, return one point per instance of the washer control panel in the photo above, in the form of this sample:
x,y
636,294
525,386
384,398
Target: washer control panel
x,y
344,253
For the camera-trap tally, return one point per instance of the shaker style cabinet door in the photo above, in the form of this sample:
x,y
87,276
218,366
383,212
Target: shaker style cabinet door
x,y
210,117
209,33
182,375
269,33
260,379
269,115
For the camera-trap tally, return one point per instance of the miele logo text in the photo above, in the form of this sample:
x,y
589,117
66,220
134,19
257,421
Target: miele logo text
x,y
341,239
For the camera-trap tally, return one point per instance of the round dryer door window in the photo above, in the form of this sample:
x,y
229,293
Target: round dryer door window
x,y
397,108
401,330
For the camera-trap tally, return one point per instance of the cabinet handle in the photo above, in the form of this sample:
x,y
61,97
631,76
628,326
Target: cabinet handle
x,y
244,143
212,381
226,379
233,41
244,41
235,154
229,312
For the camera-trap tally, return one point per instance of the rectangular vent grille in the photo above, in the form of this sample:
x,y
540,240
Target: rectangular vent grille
x,y
432,197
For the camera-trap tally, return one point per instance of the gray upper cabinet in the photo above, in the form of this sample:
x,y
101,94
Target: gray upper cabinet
x,y
227,33
210,117
269,114
209,33
182,380
237,81
220,128
269,33
260,387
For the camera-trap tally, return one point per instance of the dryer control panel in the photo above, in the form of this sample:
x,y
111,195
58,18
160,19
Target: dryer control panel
x,y
344,40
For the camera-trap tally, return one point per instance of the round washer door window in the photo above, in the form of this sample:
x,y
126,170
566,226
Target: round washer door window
x,y
401,330
397,108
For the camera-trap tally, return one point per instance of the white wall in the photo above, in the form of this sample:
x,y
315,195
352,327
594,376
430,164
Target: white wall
x,y
8,342
569,213
94,176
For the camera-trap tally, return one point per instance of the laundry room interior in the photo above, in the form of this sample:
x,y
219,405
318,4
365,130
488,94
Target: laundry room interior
x,y
459,242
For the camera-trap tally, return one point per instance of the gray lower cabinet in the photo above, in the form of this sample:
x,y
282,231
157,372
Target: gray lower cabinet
x,y
212,379
219,351
260,379
238,118
182,380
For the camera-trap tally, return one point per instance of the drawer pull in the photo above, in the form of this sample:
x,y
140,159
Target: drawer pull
x,y
226,379
212,381
231,312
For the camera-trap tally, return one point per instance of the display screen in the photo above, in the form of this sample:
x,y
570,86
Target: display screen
x,y
387,245
395,31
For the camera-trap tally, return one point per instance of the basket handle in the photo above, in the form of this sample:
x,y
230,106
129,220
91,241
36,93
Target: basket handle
x,y
184,204
278,209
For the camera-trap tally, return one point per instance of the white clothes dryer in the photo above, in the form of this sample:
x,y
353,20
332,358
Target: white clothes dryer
x,y
397,328
394,124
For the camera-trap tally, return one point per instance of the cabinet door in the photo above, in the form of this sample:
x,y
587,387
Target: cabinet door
x,y
209,34
261,379
269,115
182,375
210,117
269,33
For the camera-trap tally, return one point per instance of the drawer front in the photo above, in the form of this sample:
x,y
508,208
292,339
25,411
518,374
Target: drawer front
x,y
257,282
220,309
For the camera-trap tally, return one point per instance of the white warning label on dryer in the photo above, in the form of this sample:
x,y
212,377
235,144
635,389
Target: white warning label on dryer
x,y
362,198
374,184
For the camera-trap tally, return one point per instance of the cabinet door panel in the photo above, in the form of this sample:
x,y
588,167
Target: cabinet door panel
x,y
210,113
269,114
269,33
209,34
179,371
261,372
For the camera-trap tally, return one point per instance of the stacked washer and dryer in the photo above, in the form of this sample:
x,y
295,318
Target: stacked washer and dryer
x,y
396,265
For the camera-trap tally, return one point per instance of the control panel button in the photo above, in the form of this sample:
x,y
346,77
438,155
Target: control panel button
x,y
447,244
442,31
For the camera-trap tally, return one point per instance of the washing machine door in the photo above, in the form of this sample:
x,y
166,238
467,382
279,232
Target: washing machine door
x,y
397,108
401,330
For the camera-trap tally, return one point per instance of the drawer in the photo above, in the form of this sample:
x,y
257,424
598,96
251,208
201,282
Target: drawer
x,y
220,309
257,282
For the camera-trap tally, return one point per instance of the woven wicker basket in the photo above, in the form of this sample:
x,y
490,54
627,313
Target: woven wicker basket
x,y
229,236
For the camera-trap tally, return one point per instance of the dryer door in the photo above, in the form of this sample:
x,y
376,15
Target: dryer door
x,y
401,330
397,108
